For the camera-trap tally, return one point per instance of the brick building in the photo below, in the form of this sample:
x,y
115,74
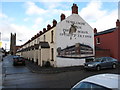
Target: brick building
x,y
109,42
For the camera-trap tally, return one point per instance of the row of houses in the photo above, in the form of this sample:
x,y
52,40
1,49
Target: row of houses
x,y
49,44
70,42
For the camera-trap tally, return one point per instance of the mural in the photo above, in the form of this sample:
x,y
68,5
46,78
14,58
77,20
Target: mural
x,y
77,50
75,39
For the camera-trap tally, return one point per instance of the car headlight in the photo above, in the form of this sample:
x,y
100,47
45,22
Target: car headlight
x,y
90,65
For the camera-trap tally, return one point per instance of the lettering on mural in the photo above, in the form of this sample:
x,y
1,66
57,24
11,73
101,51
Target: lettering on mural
x,y
75,30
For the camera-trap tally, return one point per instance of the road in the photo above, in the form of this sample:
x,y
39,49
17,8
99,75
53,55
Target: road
x,y
22,77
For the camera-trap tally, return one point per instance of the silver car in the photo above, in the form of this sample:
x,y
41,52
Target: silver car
x,y
100,63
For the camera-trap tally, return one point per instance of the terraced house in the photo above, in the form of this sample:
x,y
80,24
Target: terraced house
x,y
67,43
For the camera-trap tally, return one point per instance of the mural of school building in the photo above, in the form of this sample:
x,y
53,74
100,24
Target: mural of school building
x,y
66,43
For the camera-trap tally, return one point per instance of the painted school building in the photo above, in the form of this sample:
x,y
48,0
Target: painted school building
x,y
67,43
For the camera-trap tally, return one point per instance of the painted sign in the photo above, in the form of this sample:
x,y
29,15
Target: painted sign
x,y
75,38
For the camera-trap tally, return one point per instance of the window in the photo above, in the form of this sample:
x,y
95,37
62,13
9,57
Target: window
x,y
35,42
98,40
51,36
38,40
52,54
44,38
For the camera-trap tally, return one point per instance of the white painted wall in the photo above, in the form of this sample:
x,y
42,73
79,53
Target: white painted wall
x,y
63,40
45,54
65,62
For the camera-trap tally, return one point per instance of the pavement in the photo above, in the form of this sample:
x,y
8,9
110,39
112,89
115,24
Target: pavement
x,y
50,70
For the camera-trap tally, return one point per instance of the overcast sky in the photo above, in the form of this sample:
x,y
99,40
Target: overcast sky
x,y
27,18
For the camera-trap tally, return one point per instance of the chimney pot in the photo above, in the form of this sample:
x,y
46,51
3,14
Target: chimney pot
x,y
95,30
117,23
62,16
74,9
54,22
37,34
48,27
40,32
44,29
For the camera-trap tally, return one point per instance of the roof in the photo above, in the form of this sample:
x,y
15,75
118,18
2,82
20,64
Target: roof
x,y
105,32
44,45
106,80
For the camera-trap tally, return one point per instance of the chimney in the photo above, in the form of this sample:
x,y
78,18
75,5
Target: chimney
x,y
117,23
74,9
32,38
95,30
48,27
44,30
35,36
62,16
40,32
54,22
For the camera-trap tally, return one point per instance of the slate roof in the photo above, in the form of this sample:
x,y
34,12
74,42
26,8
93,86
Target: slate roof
x,y
44,45
105,32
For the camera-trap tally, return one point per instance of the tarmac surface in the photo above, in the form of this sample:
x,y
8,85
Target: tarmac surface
x,y
47,70
34,77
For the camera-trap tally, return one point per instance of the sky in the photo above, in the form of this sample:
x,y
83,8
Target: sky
x,y
26,18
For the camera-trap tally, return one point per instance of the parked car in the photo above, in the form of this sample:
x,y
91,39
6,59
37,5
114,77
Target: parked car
x,y
100,63
17,60
99,82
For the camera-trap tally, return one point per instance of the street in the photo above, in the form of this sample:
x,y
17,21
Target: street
x,y
22,77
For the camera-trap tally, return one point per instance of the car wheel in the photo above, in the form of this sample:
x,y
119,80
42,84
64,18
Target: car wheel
x,y
114,66
98,68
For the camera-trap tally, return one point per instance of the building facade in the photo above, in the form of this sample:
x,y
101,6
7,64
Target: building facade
x,y
110,40
63,44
